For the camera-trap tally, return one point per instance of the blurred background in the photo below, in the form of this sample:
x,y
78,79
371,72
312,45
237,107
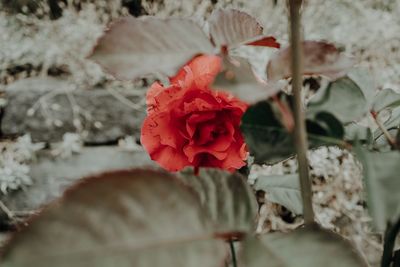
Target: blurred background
x,y
62,117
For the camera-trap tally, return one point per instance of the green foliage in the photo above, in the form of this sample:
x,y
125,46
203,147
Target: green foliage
x,y
310,246
386,99
230,202
270,142
136,218
343,98
283,190
381,172
238,77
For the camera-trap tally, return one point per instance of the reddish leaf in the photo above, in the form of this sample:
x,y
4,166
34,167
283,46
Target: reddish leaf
x,y
268,41
130,218
319,58
134,47
230,27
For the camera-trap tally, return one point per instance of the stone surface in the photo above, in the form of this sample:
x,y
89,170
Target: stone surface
x,y
52,176
47,108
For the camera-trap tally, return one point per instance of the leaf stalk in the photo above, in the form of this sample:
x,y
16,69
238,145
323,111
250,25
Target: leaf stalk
x,y
300,134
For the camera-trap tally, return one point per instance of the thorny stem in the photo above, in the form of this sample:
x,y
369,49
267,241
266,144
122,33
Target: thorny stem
x,y
385,132
389,241
233,253
300,127
7,211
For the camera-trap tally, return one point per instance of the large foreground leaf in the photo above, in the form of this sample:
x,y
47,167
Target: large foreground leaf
x,y
227,197
136,218
282,189
343,98
269,142
231,27
381,173
319,58
311,246
134,47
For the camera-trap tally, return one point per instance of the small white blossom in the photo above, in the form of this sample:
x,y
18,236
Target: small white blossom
x,y
129,143
72,144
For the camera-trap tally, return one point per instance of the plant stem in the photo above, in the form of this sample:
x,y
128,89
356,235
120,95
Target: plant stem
x,y
389,138
300,127
233,253
389,241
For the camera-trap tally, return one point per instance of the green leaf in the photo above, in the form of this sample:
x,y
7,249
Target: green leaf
x,y
354,131
386,98
381,174
231,27
227,197
319,58
255,254
342,98
266,138
134,47
282,189
391,123
269,142
239,78
398,138
310,246
364,79
132,218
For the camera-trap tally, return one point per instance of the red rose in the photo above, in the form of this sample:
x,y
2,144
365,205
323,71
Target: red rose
x,y
189,124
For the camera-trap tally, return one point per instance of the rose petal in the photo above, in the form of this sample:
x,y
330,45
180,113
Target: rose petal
x,y
203,68
191,151
154,90
223,141
149,138
158,127
205,134
170,159
235,159
195,119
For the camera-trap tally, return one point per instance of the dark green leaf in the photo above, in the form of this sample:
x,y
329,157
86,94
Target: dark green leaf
x,y
227,197
310,246
269,142
265,136
136,218
381,173
398,138
342,98
283,190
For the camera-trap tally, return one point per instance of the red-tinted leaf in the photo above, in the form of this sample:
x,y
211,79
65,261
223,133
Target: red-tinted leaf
x,y
134,218
230,27
134,47
319,58
268,41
